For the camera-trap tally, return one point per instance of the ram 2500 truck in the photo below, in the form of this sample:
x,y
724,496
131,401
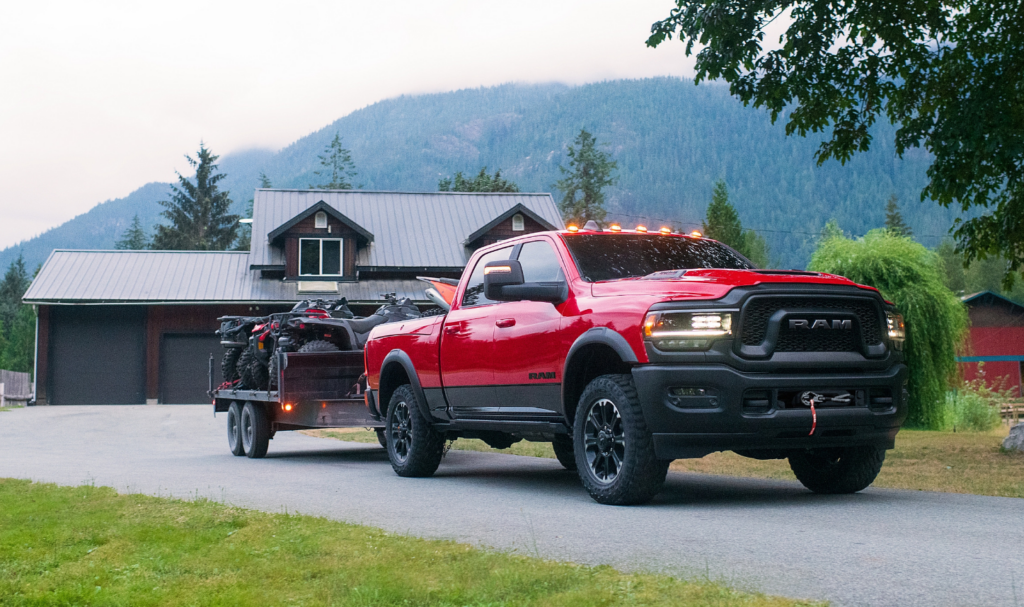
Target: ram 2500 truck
x,y
627,350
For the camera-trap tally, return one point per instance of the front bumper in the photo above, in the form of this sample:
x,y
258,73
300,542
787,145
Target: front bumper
x,y
722,418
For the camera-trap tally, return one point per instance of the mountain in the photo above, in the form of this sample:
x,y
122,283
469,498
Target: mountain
x,y
671,140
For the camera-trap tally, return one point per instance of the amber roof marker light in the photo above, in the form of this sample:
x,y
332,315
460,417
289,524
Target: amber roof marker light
x,y
641,229
665,230
572,229
615,227
696,234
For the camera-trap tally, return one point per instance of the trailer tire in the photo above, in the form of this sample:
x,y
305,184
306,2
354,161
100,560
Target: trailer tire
x,y
235,429
414,447
229,363
614,447
244,366
564,451
255,430
837,471
318,345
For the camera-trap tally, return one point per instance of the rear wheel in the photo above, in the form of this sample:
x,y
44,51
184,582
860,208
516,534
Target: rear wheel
x,y
259,373
839,470
244,366
613,446
255,430
564,451
229,363
414,447
235,429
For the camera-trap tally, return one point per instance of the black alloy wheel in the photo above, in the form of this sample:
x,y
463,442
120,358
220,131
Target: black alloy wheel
x,y
235,430
604,440
400,430
414,447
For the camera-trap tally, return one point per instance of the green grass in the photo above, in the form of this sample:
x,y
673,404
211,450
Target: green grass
x,y
92,546
923,460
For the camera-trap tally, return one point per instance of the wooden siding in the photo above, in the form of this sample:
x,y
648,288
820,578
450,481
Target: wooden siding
x,y
306,229
504,230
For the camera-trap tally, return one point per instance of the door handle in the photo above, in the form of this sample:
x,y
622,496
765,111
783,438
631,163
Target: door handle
x,y
452,329
505,323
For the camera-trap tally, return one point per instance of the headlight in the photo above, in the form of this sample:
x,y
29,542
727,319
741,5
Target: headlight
x,y
686,330
897,331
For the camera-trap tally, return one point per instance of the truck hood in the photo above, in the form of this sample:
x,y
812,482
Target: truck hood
x,y
711,283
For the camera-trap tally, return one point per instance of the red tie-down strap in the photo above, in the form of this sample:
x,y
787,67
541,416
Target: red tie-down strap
x,y
814,419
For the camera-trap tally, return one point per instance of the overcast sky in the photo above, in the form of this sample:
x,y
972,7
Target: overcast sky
x,y
97,99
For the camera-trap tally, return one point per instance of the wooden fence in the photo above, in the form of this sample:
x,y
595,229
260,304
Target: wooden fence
x,y
15,388
1012,411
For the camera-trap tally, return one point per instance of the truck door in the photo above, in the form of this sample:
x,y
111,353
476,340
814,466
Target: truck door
x,y
467,348
527,351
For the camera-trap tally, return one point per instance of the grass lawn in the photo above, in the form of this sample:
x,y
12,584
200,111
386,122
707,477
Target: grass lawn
x,y
954,462
91,546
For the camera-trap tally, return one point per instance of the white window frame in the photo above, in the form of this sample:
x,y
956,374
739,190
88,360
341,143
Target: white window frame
x,y
320,220
341,255
518,223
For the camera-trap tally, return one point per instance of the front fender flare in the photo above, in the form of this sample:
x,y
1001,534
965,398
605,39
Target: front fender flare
x,y
597,335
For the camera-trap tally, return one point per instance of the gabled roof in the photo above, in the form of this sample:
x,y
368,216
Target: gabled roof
x,y
519,208
410,230
990,297
169,277
320,206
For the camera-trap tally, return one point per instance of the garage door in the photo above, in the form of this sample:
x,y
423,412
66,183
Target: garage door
x,y
184,364
97,355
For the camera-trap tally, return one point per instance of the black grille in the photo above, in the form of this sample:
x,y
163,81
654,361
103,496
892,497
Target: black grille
x,y
758,311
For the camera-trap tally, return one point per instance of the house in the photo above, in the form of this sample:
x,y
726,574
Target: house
x,y
135,327
996,339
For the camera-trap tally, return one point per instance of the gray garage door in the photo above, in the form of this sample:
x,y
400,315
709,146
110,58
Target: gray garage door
x,y
97,355
184,364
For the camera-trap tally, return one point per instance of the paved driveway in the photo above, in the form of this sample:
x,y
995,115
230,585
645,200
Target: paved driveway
x,y
879,547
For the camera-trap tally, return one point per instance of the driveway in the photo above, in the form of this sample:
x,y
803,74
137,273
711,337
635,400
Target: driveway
x,y
879,547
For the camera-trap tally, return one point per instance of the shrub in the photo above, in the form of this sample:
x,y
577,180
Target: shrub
x,y
976,405
907,274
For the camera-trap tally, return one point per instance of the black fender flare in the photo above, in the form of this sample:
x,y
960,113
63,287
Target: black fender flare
x,y
597,335
401,358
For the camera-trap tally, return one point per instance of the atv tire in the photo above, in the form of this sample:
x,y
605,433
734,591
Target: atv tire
x,y
259,373
244,365
318,345
564,451
839,470
613,446
229,364
414,447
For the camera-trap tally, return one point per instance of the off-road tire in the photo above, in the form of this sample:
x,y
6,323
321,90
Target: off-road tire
x,y
839,470
414,447
318,345
382,438
229,363
564,451
272,372
259,373
638,475
244,366
235,429
255,429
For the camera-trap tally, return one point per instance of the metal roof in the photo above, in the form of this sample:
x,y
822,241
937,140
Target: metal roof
x,y
424,230
84,277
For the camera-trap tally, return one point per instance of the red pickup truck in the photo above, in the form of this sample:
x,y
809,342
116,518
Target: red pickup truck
x,y
627,350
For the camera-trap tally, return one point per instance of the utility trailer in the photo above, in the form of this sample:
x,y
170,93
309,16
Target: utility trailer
x,y
313,390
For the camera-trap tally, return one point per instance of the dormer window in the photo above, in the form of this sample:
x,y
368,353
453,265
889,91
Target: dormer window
x,y
320,256
320,220
518,225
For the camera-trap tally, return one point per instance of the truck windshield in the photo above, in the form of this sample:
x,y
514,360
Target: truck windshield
x,y
613,256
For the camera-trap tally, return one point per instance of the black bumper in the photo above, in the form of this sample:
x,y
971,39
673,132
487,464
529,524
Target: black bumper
x,y
723,417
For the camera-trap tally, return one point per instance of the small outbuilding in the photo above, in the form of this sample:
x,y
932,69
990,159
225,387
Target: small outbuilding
x,y
996,339
137,327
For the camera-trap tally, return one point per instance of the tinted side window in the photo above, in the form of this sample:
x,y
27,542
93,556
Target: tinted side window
x,y
474,295
540,262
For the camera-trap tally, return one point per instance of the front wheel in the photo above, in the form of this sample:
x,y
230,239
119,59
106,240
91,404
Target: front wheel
x,y
614,448
414,447
255,430
838,470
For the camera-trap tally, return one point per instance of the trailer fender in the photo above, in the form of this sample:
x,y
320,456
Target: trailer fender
x,y
396,368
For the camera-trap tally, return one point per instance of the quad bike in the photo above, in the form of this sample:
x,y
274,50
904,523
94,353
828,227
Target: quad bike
x,y
234,336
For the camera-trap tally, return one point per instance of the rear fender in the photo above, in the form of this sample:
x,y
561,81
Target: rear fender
x,y
389,382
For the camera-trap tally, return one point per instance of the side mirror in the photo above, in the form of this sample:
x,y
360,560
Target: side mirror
x,y
499,274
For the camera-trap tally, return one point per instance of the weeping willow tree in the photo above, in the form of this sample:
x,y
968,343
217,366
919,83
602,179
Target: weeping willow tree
x,y
908,275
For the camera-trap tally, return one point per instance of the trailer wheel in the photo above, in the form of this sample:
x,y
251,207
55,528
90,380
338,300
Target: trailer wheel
x,y
833,471
229,363
255,430
614,448
318,345
244,366
235,429
414,447
564,451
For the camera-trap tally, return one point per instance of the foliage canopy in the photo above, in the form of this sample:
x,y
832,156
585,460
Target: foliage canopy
x,y
589,172
198,212
722,223
17,320
481,183
894,219
946,71
909,275
338,167
134,238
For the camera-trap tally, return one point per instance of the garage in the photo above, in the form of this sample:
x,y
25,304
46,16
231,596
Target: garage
x,y
98,355
184,367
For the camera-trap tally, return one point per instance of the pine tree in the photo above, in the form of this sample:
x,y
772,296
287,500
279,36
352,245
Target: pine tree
x,y
589,172
723,222
134,238
245,231
338,165
18,352
831,230
198,212
12,288
894,219
481,183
